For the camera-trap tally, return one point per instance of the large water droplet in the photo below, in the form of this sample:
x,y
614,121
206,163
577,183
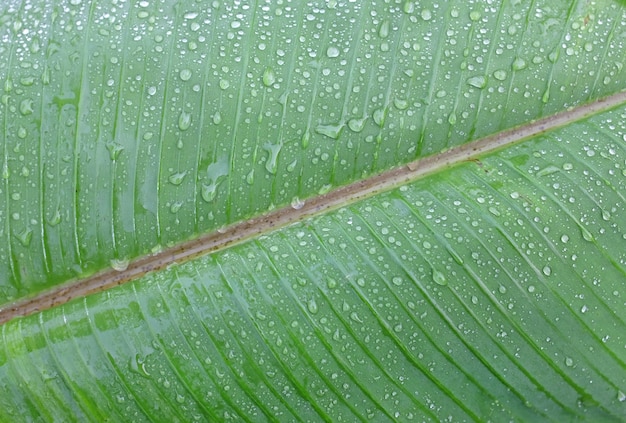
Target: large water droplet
x,y
332,131
177,178
25,237
114,150
26,106
271,164
477,81
184,120
439,278
215,174
269,77
383,30
332,52
357,125
185,74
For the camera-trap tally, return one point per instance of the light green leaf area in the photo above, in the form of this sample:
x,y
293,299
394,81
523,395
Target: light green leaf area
x,y
490,290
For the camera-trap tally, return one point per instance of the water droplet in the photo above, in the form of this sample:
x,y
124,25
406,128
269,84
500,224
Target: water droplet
x,y
568,166
548,170
296,203
408,7
224,84
215,174
177,178
547,270
25,237
400,103
426,15
477,81
332,52
250,177
306,138
184,120
383,30
439,278
519,64
546,95
114,150
331,131
55,219
621,397
22,132
120,264
26,106
271,164
587,236
217,118
312,306
606,215
357,125
185,74
500,75
475,15
569,362
175,206
379,116
269,78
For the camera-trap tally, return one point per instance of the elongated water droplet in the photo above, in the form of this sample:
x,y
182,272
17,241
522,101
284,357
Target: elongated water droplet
x,y
383,30
379,117
114,150
312,306
177,178
215,173
250,177
439,278
271,164
269,78
26,106
184,120
25,237
331,131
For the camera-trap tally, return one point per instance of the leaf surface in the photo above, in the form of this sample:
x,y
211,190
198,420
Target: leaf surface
x,y
489,288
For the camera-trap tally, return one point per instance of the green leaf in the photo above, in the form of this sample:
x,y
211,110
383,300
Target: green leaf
x,y
326,211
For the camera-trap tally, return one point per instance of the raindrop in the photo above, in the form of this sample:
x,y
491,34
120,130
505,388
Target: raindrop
x,y
400,103
306,138
519,64
175,207
383,30
296,203
331,131
475,15
217,118
185,74
548,170
215,174
569,362
408,7
587,236
26,106
224,84
184,120
120,264
477,81
250,177
25,237
114,150
439,278
426,15
379,117
269,77
500,75
271,164
332,52
357,125
312,306
452,118
547,270
177,178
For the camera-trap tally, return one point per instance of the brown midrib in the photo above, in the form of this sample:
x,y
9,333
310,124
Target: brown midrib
x,y
341,196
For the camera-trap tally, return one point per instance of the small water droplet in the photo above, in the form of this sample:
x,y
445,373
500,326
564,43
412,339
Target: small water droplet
x,y
547,270
224,84
217,118
475,15
400,103
175,206
269,77
439,278
606,215
500,74
569,362
55,219
184,120
426,14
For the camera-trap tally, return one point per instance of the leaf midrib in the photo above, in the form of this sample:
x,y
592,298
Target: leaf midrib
x,y
341,196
